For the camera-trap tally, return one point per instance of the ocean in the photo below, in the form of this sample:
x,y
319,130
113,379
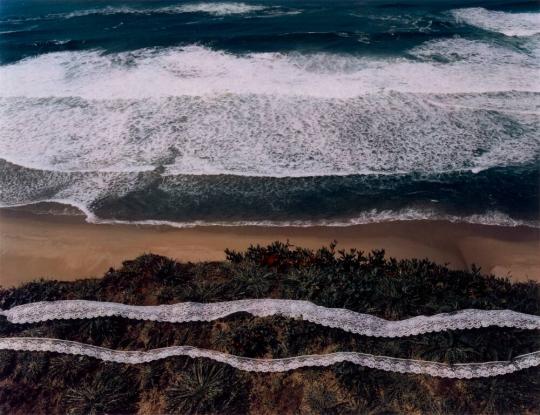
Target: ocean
x,y
272,112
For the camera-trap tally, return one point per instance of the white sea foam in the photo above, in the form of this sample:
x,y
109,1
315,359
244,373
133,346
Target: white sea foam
x,y
492,218
199,111
509,24
469,66
261,135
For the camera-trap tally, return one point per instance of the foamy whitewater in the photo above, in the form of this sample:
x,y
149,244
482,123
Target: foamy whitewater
x,y
496,21
187,113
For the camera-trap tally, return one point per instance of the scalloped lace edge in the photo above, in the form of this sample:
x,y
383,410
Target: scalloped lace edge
x,y
390,364
340,318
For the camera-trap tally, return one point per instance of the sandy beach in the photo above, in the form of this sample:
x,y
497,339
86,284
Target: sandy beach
x,y
65,247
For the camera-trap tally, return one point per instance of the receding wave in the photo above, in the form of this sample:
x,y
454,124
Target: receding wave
x,y
391,364
509,24
372,216
497,196
492,218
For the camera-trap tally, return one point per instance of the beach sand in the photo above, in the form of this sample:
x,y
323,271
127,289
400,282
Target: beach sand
x,y
65,247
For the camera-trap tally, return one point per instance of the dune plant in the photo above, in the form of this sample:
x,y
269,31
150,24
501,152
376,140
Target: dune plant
x,y
204,388
364,282
107,391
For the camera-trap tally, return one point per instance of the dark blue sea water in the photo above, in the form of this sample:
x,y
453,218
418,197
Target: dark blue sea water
x,y
272,112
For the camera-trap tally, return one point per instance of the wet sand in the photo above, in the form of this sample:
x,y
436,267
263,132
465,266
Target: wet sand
x,y
65,247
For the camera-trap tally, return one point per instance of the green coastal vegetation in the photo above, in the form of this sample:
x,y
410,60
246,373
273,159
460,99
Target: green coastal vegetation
x,y
50,383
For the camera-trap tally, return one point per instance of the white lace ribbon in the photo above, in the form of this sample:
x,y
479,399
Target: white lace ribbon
x,y
390,364
344,319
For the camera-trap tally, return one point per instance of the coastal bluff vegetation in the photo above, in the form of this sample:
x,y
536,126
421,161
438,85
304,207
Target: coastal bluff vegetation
x,y
372,283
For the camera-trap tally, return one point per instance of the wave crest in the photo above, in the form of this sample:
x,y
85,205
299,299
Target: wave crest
x,y
199,71
509,24
217,9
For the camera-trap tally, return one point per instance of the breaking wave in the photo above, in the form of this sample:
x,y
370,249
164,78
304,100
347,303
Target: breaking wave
x,y
438,128
210,8
509,24
439,66
453,105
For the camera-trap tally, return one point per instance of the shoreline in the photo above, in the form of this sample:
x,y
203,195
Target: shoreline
x,y
66,247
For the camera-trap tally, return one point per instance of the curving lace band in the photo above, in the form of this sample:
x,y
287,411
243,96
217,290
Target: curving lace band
x,y
344,319
391,364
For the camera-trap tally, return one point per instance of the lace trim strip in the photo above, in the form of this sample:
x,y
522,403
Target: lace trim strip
x,y
390,364
344,319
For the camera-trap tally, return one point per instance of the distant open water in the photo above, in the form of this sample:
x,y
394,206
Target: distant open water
x,y
272,112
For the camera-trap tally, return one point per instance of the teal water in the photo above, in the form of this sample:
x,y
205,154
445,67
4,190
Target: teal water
x,y
272,112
